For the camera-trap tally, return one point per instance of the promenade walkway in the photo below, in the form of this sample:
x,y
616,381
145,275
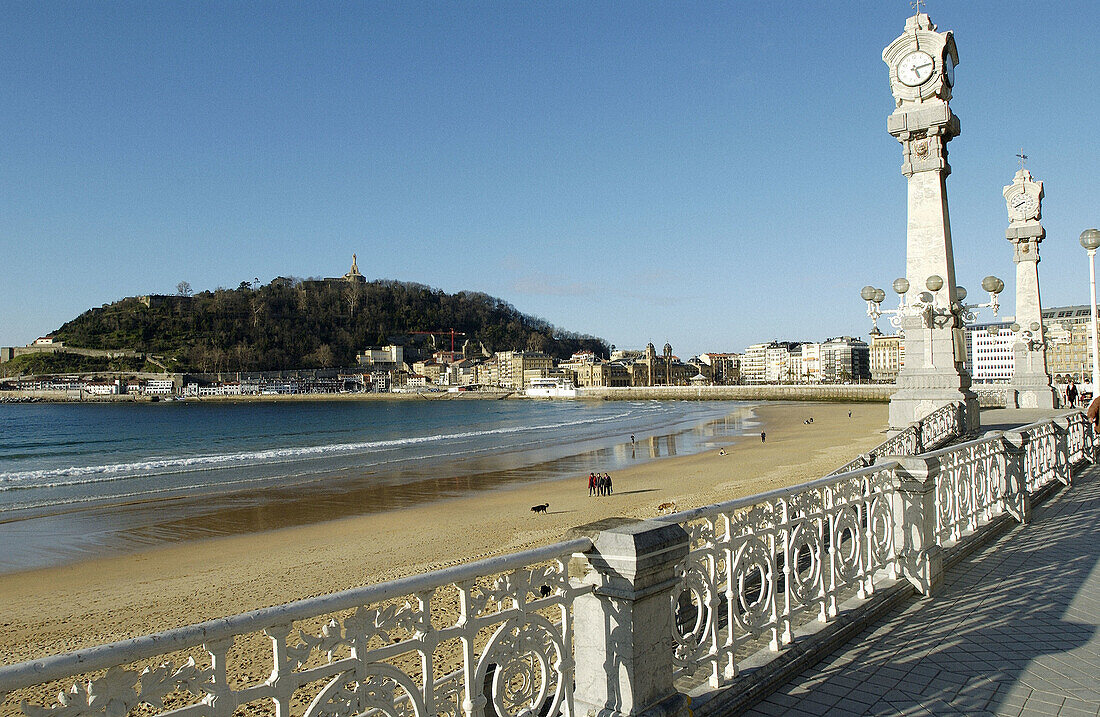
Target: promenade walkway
x,y
1014,631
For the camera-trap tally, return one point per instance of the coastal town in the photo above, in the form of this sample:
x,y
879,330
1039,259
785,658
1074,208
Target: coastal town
x,y
467,368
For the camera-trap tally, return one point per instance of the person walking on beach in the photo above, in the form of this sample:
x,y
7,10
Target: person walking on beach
x,y
763,436
591,484
601,485
631,439
607,480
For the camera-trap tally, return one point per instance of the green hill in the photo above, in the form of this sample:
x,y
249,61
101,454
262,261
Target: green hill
x,y
291,323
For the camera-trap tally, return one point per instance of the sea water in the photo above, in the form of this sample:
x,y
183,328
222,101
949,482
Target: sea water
x,y
79,480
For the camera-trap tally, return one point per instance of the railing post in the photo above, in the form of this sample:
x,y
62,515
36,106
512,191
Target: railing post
x,y
1017,500
623,638
1064,468
915,523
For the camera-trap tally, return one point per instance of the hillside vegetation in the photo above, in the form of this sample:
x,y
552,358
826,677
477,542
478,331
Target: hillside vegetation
x,y
291,324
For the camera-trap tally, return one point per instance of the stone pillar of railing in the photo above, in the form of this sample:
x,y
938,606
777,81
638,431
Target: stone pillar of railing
x,y
919,552
623,630
1017,500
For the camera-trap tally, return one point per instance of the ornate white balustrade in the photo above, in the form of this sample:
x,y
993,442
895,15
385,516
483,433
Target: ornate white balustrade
x,y
938,428
683,596
449,642
755,564
970,486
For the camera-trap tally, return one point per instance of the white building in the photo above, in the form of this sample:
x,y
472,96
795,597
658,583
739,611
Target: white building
x,y
754,362
989,352
159,387
811,362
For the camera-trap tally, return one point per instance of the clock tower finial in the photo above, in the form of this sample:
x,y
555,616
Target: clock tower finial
x,y
1021,158
915,4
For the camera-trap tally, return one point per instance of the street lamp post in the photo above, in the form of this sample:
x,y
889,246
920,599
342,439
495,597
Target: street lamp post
x,y
1090,239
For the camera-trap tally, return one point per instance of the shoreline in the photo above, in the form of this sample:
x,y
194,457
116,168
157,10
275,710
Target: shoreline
x,y
213,577
51,536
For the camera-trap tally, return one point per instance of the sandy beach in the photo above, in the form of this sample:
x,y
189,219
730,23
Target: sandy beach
x,y
59,609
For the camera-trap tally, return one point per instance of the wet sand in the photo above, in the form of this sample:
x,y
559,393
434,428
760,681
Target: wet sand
x,y
91,602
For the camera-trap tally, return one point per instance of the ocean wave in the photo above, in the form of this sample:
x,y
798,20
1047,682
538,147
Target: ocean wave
x,y
79,475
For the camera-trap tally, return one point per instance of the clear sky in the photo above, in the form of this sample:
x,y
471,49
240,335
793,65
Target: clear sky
x,y
708,174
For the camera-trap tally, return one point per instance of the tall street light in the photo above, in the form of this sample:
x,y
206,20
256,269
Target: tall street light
x,y
1090,239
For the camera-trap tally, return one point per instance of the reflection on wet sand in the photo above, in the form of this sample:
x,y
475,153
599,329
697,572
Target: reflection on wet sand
x,y
121,528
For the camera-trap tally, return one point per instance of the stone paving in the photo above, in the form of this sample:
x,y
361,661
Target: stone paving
x,y
1014,631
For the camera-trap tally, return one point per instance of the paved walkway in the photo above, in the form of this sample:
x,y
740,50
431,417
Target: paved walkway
x,y
1015,631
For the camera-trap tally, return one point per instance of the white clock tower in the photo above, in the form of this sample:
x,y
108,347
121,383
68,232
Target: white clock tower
x,y
1030,381
922,72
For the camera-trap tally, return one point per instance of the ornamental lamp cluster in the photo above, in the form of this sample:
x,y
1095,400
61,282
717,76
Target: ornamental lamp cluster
x,y
929,304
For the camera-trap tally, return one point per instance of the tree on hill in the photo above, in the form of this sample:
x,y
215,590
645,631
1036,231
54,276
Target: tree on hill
x,y
291,323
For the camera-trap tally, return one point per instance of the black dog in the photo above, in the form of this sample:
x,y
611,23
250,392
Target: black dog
x,y
540,508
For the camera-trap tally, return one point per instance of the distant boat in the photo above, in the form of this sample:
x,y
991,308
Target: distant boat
x,y
551,388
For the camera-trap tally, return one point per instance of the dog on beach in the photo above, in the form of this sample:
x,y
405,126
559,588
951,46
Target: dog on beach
x,y
540,508
669,507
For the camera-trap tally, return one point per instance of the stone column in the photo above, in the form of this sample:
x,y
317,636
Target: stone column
x,y
623,630
919,552
935,348
1031,379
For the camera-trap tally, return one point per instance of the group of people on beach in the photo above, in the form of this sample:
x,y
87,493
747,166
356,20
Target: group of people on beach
x,y
599,484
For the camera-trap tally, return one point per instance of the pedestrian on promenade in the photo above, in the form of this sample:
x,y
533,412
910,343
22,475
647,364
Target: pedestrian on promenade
x,y
591,484
763,436
1071,394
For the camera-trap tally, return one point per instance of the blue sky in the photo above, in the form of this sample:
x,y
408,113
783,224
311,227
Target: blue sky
x,y
708,174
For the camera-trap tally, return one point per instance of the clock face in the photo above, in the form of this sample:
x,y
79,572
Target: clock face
x,y
949,69
916,68
1023,204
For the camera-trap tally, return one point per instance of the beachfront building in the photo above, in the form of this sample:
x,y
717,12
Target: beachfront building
x,y
811,362
512,366
1068,331
665,369
725,368
887,356
102,388
460,373
795,367
752,365
989,352
777,361
431,369
845,359
159,387
587,370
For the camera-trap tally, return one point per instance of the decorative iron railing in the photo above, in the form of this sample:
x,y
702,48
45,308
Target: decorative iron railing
x,y
755,564
1080,440
970,486
496,631
938,428
1045,460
